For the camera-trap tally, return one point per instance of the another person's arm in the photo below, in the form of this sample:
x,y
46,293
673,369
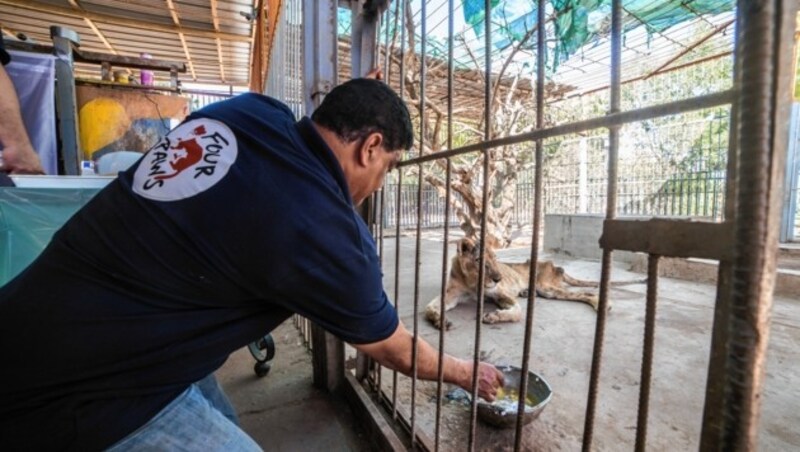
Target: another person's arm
x,y
395,353
18,154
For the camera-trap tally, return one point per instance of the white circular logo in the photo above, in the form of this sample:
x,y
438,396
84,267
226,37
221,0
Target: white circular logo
x,y
189,160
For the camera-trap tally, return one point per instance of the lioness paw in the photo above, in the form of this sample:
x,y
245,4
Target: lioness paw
x,y
491,317
447,325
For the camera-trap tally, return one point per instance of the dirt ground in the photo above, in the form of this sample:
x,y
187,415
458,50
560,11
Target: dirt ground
x,y
563,336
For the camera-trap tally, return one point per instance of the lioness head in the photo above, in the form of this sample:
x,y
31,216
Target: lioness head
x,y
467,263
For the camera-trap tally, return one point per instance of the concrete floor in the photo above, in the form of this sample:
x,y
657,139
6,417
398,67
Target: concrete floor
x,y
563,338
283,412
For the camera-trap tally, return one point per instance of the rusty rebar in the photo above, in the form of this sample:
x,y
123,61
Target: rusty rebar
x,y
446,238
487,124
647,352
611,212
537,224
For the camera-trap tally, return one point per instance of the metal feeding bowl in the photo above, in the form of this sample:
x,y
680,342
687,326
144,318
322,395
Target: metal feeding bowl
x,y
503,411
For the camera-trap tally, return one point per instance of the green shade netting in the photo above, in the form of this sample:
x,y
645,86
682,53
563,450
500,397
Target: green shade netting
x,y
579,22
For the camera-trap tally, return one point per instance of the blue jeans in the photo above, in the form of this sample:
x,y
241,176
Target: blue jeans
x,y
200,419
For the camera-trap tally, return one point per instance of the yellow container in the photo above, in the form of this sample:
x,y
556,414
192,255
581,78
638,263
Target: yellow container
x,y
121,77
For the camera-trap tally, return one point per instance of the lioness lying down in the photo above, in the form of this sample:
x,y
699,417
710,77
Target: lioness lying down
x,y
504,283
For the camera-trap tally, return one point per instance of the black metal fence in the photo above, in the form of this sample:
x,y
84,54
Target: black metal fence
x,y
695,194
675,168
199,99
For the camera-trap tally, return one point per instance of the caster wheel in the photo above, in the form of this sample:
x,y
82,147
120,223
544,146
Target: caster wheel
x,y
263,349
262,368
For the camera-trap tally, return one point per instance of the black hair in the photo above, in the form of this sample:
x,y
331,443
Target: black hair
x,y
363,106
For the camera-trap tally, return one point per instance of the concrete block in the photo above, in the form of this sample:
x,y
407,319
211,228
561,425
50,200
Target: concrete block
x,y
578,235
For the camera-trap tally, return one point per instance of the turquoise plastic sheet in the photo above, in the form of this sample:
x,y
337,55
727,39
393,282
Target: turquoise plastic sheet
x,y
28,219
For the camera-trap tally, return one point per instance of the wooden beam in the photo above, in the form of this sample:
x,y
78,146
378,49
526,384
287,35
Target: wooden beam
x,y
106,18
176,20
251,58
85,56
11,33
215,20
273,15
663,71
100,36
691,47
258,59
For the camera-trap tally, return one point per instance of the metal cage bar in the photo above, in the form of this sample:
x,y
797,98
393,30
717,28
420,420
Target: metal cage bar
x,y
418,244
537,222
765,76
611,212
752,199
487,127
446,238
610,120
647,353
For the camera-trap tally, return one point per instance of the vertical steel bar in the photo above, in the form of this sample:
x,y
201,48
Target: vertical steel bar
x,y
402,74
396,19
386,59
487,133
611,212
647,354
397,279
399,205
381,254
320,54
537,220
417,263
712,409
446,239
364,43
66,103
766,79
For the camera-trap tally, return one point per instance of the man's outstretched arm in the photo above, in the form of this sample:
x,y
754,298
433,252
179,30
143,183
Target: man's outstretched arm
x,y
395,353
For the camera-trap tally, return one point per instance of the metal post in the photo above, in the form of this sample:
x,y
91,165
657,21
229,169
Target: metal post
x,y
66,102
319,50
363,34
767,30
320,76
363,38
712,410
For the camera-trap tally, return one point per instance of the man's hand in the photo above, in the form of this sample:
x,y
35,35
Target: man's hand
x,y
376,73
394,352
489,381
20,160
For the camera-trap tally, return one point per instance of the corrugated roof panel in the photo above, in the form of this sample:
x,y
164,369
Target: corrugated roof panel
x,y
132,27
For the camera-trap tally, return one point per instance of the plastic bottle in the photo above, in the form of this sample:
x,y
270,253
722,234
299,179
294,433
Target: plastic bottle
x,y
146,77
87,168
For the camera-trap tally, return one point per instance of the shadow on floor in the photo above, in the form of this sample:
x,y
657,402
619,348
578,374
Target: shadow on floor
x,y
283,411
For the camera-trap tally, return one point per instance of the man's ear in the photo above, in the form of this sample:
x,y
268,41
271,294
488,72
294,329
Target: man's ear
x,y
367,151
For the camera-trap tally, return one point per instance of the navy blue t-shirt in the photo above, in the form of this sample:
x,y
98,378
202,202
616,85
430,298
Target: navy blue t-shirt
x,y
237,219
